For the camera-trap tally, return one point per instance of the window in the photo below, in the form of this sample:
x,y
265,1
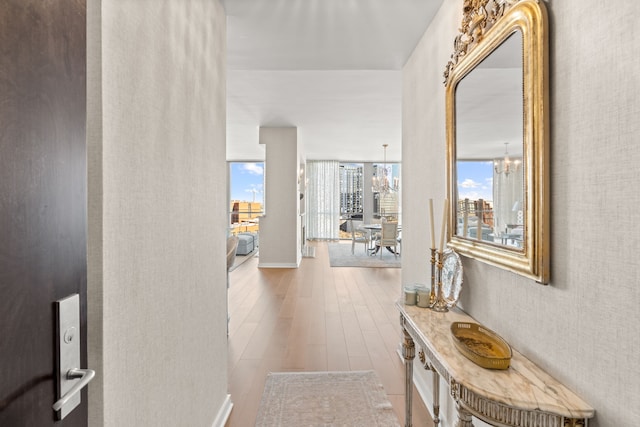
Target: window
x,y
351,189
387,203
246,189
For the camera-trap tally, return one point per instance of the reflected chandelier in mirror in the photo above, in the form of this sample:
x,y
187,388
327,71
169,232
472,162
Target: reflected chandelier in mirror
x,y
497,136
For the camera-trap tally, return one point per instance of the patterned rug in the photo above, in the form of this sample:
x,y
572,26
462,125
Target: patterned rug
x,y
350,398
340,256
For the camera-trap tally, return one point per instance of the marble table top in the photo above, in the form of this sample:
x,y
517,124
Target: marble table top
x,y
523,385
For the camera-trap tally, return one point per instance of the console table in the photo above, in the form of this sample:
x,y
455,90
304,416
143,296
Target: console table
x,y
521,396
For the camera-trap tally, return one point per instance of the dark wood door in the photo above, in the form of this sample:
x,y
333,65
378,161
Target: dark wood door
x,y
42,199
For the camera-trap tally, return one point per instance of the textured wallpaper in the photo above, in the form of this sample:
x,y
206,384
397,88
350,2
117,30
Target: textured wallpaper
x,y
158,179
581,327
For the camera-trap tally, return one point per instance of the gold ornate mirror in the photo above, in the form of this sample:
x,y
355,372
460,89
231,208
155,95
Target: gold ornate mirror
x,y
497,136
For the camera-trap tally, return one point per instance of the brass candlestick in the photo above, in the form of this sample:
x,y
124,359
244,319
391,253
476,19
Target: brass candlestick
x,y
432,292
440,305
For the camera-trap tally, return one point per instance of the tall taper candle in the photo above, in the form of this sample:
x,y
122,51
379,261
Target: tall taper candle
x,y
444,225
433,234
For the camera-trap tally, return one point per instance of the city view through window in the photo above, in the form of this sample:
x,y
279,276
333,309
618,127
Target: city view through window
x,y
246,186
352,184
247,196
475,190
354,204
475,180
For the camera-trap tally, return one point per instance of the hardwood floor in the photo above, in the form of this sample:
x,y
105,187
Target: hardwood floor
x,y
313,318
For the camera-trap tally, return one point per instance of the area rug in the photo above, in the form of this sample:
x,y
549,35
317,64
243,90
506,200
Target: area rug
x,y
340,256
350,398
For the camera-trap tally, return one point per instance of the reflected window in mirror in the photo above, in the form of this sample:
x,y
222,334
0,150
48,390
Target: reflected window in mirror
x,y
489,148
477,215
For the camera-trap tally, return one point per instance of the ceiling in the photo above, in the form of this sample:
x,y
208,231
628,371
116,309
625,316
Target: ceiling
x,y
331,68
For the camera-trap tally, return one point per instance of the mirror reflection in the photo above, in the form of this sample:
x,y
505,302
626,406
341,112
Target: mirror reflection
x,y
498,137
489,132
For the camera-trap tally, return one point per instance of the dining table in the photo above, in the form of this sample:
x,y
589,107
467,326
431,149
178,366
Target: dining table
x,y
371,229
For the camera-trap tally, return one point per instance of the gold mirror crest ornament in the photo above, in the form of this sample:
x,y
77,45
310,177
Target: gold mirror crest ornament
x,y
486,25
478,17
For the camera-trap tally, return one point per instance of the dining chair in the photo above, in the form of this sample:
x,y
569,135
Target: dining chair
x,y
358,236
388,237
375,236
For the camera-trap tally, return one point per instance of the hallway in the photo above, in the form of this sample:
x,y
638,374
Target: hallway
x,y
314,318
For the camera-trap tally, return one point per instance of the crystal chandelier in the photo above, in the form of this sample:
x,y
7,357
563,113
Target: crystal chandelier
x,y
506,165
381,184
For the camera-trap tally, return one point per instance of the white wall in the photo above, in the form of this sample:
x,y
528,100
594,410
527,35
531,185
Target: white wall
x,y
157,216
280,226
582,327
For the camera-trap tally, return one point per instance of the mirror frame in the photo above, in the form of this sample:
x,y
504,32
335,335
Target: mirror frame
x,y
486,24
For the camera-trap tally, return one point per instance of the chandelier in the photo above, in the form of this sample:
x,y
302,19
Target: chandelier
x,y
506,165
381,184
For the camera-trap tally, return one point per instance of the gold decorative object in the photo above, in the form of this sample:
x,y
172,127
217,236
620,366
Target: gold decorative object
x,y
478,17
574,422
481,345
440,304
485,27
432,292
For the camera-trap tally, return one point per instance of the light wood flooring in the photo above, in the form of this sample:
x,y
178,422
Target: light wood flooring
x,y
313,318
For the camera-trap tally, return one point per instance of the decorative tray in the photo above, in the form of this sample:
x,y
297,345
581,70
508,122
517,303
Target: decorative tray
x,y
481,345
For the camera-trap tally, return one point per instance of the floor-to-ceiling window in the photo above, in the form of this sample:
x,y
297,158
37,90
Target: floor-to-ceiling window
x,y
323,203
341,192
351,196
246,191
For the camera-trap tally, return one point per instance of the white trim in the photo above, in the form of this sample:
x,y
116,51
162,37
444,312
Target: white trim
x,y
223,413
277,265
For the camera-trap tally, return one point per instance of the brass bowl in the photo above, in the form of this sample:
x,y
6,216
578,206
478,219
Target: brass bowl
x,y
481,345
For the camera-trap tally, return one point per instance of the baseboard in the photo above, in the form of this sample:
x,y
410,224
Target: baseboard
x,y
224,412
277,265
